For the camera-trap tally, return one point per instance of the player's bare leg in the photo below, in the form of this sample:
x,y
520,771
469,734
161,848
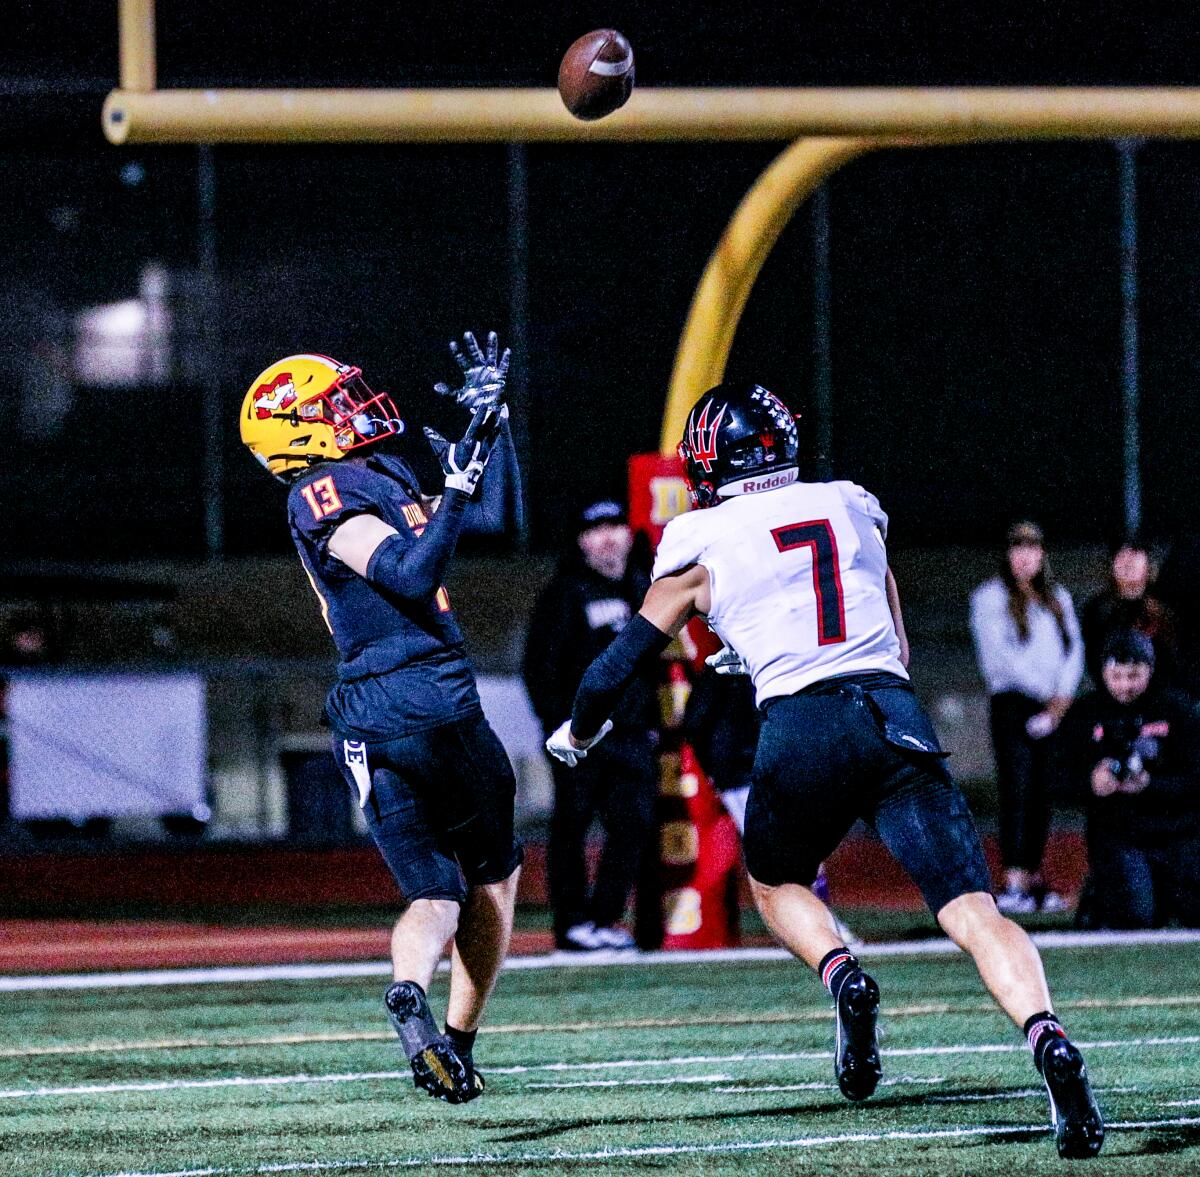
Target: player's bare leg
x,y
480,946
1009,964
798,920
1005,956
418,941
806,928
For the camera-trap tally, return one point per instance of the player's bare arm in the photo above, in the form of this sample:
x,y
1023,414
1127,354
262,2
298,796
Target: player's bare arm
x,y
893,598
358,539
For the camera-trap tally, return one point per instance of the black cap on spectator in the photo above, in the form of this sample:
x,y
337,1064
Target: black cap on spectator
x,y
1025,532
602,514
1129,646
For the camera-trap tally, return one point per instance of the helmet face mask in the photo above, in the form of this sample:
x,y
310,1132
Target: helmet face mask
x,y
739,438
309,408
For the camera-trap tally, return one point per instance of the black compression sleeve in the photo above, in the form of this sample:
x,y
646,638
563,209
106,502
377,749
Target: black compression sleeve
x,y
605,680
489,513
415,570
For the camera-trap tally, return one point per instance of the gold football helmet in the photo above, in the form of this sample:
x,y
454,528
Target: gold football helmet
x,y
308,408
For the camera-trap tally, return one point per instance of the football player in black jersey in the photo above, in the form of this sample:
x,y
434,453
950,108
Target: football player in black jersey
x,y
433,781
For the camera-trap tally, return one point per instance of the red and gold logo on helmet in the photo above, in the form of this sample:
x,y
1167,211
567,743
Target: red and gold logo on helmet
x,y
273,398
702,437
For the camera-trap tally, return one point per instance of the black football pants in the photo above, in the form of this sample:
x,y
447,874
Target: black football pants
x,y
617,783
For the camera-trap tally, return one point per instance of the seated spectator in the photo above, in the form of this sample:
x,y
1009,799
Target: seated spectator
x,y
1132,749
1031,659
1127,603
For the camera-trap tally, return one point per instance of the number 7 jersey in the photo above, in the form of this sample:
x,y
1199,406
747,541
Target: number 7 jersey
x,y
798,581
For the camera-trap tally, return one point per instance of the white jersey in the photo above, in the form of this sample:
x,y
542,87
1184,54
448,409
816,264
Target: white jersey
x,y
798,581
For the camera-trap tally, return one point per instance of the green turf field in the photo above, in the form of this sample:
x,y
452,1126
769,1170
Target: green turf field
x,y
727,1072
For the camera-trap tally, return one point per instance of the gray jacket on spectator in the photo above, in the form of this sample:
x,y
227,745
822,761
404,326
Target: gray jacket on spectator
x,y
1040,667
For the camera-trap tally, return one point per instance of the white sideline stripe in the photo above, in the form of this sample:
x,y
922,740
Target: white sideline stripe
x,y
615,1064
660,1150
241,974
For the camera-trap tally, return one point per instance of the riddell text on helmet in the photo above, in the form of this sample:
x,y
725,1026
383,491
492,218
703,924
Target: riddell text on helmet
x,y
762,482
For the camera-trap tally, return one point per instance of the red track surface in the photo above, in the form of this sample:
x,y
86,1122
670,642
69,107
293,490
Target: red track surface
x,y
861,873
73,946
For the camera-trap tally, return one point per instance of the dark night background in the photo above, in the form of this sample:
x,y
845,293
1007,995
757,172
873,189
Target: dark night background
x,y
976,299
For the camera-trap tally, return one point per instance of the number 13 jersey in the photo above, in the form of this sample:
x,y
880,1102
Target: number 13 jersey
x,y
798,581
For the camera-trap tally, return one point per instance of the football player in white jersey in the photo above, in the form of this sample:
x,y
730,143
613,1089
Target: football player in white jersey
x,y
793,576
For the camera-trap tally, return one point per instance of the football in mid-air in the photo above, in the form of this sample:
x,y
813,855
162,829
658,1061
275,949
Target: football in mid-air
x,y
596,74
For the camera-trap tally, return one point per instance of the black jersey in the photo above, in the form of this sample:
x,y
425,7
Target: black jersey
x,y
402,663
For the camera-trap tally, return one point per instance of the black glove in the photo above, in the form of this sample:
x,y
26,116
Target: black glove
x,y
463,462
483,376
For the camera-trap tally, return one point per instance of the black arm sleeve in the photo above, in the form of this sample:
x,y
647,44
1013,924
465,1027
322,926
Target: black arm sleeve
x,y
487,514
606,679
413,570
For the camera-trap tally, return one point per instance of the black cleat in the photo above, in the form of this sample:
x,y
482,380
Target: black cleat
x,y
439,1071
436,1067
1078,1125
856,1059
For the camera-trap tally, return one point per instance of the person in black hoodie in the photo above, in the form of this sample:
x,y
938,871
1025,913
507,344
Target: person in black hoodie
x,y
1134,749
595,592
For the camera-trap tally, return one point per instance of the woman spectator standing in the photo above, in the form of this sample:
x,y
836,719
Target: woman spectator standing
x,y
1127,603
1030,654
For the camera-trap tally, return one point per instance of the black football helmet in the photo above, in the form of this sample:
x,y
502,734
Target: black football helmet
x,y
739,438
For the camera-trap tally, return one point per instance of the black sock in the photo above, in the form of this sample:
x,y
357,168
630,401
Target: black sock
x,y
835,967
463,1041
1040,1030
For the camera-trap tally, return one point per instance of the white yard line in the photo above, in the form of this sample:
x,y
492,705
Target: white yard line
x,y
612,1064
655,1150
308,972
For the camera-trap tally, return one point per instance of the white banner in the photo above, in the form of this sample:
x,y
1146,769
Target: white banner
x,y
85,746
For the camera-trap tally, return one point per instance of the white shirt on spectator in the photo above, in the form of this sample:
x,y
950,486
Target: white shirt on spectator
x,y
1040,667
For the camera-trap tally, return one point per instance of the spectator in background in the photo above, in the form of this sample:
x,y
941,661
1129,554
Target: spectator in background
x,y
1030,654
585,606
1178,587
1134,752
1126,603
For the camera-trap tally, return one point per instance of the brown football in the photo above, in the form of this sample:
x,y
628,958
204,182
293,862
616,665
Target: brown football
x,y
596,74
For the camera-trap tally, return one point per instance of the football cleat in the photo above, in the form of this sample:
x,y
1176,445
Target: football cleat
x,y
1074,1114
439,1070
436,1067
856,1056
